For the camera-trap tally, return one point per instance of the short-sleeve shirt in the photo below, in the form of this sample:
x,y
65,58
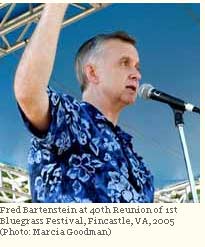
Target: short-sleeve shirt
x,y
84,158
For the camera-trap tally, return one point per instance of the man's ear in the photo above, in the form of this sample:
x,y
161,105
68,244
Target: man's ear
x,y
91,73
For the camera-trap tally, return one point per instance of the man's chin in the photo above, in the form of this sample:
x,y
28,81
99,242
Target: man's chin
x,y
129,100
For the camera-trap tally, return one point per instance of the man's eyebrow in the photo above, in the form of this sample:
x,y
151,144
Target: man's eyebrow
x,y
129,58
125,57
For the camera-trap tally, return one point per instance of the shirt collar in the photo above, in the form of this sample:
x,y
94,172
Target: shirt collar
x,y
98,117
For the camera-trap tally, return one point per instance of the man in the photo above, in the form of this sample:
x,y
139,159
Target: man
x,y
78,152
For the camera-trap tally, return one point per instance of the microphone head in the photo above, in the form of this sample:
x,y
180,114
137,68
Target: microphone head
x,y
144,91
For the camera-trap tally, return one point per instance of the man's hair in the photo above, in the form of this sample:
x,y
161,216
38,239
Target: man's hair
x,y
91,48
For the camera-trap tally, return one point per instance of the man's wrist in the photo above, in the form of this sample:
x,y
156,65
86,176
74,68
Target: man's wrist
x,y
57,6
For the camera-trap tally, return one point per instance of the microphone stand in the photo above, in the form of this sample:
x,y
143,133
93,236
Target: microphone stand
x,y
179,122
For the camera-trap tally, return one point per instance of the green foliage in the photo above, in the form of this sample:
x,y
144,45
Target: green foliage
x,y
190,196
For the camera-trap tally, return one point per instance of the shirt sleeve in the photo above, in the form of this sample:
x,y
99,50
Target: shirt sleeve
x,y
64,111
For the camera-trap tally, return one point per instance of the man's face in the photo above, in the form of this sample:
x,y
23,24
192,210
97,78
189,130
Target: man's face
x,y
118,72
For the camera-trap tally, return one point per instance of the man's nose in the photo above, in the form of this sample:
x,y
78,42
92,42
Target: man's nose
x,y
135,75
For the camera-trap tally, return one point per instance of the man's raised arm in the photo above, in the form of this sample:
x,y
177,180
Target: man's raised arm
x,y
35,68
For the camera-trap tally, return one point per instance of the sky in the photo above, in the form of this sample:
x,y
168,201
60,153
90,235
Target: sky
x,y
168,40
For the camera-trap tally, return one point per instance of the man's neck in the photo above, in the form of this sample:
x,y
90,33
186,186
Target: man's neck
x,y
108,108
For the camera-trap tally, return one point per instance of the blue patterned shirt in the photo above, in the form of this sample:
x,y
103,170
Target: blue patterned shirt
x,y
83,157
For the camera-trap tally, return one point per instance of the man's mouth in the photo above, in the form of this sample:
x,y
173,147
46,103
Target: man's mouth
x,y
133,88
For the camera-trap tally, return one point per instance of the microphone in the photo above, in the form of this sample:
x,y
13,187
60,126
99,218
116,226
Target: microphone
x,y
147,91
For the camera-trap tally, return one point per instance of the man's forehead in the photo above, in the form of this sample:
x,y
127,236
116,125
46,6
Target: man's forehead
x,y
121,48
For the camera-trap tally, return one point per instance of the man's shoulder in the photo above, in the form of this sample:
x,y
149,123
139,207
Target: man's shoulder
x,y
65,98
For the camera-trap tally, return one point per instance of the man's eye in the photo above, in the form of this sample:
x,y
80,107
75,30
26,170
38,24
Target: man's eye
x,y
125,63
138,68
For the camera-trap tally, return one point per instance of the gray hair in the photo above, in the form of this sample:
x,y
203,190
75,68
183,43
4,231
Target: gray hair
x,y
91,49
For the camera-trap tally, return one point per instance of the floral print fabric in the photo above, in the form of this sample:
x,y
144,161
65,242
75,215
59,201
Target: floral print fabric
x,y
85,158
